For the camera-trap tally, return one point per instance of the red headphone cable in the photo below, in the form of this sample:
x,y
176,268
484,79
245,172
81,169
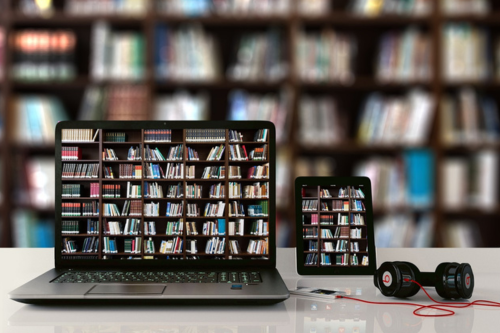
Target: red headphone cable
x,y
440,306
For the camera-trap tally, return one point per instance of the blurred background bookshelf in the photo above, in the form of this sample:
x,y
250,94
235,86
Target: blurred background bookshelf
x,y
405,92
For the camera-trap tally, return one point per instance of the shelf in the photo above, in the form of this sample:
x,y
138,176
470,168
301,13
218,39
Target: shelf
x,y
348,19
489,19
66,19
79,198
236,20
79,235
77,83
110,143
247,236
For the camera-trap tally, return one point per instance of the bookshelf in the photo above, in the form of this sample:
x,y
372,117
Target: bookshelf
x,y
328,229
91,152
226,29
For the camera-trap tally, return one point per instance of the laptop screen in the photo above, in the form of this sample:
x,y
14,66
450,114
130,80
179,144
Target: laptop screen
x,y
165,192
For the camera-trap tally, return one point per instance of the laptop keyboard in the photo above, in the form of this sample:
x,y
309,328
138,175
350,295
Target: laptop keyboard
x,y
159,277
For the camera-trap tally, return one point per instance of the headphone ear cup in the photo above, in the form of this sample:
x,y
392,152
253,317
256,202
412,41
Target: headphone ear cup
x,y
387,278
446,283
464,280
413,274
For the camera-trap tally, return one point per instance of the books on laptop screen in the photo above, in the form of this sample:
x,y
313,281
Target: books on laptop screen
x,y
156,194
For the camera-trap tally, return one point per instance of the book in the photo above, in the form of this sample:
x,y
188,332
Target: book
x,y
470,181
115,102
187,53
109,7
404,56
275,108
465,7
259,57
465,53
41,195
55,53
116,55
469,118
396,120
325,57
395,7
227,7
313,7
322,123
181,105
34,119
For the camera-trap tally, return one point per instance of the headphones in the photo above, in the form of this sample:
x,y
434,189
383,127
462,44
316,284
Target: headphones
x,y
452,280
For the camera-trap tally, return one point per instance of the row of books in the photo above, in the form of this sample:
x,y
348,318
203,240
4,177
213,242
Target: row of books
x,y
106,7
215,245
153,209
181,105
217,228
224,7
35,117
392,7
172,245
404,56
173,228
44,55
132,227
396,120
130,208
406,230
322,122
214,172
71,153
205,135
469,118
309,205
259,57
158,135
172,171
80,209
115,137
271,107
78,135
115,102
74,190
194,191
339,219
414,170
253,7
173,209
185,53
340,259
111,191
465,53
470,181
325,57
75,170
73,227
116,55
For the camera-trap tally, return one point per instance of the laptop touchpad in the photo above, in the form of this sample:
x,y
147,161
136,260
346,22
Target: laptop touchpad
x,y
127,289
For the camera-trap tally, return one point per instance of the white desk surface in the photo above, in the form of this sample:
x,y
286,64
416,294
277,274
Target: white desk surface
x,y
292,316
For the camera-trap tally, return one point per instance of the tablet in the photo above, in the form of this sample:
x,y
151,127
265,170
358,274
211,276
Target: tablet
x,y
334,226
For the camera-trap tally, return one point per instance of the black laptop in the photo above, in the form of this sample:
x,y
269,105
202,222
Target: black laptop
x,y
166,212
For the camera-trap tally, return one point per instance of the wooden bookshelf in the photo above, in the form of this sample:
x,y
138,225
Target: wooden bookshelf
x,y
367,31
203,148
314,193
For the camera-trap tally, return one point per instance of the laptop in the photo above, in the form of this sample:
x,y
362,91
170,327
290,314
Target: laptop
x,y
163,212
